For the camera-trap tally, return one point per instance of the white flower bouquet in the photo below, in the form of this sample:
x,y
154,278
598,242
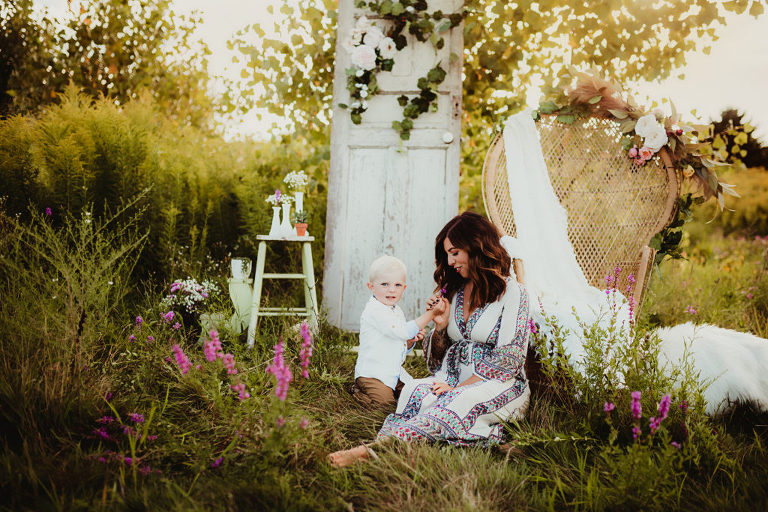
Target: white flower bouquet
x,y
296,179
188,295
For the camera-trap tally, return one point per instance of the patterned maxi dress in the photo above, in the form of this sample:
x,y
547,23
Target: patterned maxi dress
x,y
491,344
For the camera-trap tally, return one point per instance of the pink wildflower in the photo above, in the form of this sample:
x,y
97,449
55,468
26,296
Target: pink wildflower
x,y
212,348
181,359
280,422
145,470
749,295
131,338
48,212
631,278
684,406
229,364
608,407
675,444
306,350
532,326
304,423
177,326
241,392
691,310
217,462
636,431
105,420
637,408
199,367
168,317
150,338
281,371
151,437
176,286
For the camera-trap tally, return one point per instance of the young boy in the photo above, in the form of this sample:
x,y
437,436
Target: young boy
x,y
385,336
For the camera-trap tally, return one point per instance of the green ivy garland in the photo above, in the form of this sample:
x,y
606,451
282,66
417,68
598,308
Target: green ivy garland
x,y
406,17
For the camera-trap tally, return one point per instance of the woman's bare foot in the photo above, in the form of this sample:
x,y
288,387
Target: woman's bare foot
x,y
346,457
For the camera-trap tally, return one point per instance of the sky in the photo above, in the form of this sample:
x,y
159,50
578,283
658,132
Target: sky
x,y
734,74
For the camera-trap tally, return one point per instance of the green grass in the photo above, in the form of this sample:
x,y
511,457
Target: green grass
x,y
62,353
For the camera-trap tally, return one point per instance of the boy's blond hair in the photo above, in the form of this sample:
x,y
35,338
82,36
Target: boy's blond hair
x,y
384,263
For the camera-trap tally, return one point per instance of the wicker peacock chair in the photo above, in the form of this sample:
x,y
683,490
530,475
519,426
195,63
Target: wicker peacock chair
x,y
614,206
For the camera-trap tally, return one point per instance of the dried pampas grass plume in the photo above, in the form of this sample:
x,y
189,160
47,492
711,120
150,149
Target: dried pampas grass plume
x,y
588,86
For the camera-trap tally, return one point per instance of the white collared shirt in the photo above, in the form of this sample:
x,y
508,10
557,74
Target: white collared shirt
x,y
383,336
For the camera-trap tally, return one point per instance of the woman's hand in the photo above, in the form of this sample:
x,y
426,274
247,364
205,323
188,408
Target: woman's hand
x,y
439,388
442,313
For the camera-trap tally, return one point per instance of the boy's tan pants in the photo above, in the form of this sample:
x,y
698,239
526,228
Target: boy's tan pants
x,y
370,391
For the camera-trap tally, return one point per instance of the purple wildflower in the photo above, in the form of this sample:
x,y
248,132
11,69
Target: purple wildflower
x,y
177,326
48,212
139,321
150,338
136,417
636,431
277,195
306,350
631,278
151,438
108,396
217,462
168,317
676,444
128,461
684,406
145,470
102,433
131,338
176,286
181,359
637,408
105,420
608,407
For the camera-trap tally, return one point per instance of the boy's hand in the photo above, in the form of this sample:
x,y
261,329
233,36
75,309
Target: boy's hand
x,y
438,388
420,336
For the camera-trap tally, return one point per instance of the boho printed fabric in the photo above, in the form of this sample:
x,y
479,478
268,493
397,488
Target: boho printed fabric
x,y
491,344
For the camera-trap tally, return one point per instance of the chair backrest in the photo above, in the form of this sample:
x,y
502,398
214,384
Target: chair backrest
x,y
614,206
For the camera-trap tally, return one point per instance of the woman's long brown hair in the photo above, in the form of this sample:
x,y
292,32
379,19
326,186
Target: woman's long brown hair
x,y
489,262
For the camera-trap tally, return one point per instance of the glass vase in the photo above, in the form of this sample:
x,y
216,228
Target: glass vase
x,y
274,230
299,196
286,229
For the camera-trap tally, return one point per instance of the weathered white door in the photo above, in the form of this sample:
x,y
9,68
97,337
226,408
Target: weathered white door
x,y
387,196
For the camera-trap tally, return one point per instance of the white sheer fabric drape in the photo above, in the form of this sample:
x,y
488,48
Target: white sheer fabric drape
x,y
552,274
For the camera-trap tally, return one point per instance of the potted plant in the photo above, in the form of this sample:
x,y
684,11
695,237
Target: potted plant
x,y
300,222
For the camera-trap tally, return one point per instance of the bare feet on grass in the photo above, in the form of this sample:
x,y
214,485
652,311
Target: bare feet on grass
x,y
346,457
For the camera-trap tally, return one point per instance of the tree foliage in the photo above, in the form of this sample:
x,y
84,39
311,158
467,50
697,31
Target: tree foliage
x,y
108,48
734,139
508,48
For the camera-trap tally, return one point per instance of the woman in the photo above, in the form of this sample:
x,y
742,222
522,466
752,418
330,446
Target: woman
x,y
477,351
